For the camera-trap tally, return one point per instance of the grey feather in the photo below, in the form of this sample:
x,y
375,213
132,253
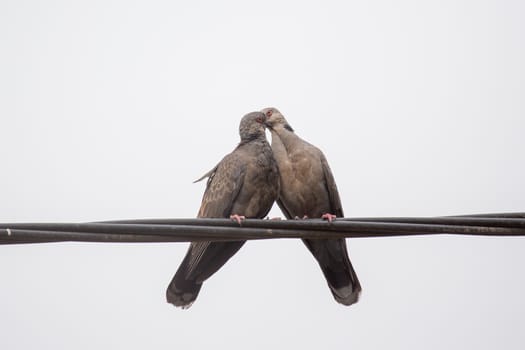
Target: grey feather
x,y
308,188
245,182
208,174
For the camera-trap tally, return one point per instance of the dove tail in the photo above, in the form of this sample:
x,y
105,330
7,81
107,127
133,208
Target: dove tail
x,y
340,275
202,260
182,292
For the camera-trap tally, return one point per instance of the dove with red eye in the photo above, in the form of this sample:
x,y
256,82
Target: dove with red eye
x,y
244,184
308,190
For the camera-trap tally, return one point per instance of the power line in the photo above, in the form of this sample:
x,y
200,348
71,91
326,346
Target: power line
x,y
206,229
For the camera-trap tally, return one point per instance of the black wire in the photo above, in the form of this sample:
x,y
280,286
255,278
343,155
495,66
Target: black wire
x,y
186,230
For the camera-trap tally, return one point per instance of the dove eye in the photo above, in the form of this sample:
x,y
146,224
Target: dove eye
x,y
259,119
269,113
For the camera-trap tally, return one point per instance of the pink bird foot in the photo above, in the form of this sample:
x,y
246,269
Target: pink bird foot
x,y
237,218
328,216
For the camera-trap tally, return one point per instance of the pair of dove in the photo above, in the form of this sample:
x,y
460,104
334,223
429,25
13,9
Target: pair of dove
x,y
247,182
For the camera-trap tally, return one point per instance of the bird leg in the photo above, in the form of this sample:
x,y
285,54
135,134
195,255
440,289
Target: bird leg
x,y
328,216
303,218
237,218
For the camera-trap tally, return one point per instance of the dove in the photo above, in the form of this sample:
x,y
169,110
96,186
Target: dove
x,y
244,184
308,190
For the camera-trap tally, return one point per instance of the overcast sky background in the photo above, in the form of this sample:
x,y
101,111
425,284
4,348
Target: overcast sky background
x,y
110,109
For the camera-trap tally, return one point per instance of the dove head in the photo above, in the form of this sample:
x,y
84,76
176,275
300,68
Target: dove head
x,y
275,120
252,126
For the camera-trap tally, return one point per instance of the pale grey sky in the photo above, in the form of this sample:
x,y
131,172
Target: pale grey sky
x,y
110,109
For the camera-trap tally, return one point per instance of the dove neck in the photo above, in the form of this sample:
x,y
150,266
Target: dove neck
x,y
252,137
287,137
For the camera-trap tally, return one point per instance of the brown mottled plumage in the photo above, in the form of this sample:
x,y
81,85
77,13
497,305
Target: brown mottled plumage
x,y
308,189
245,182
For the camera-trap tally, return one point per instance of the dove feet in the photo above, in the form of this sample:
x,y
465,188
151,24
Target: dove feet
x,y
328,216
237,218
